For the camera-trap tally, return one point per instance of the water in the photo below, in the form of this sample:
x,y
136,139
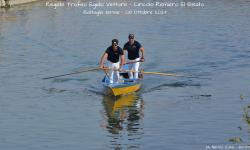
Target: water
x,y
72,112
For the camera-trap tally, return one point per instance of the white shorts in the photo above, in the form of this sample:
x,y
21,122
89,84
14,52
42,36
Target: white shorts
x,y
114,74
134,67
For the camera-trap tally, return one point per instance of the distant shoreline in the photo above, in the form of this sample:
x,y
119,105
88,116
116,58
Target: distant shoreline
x,y
8,3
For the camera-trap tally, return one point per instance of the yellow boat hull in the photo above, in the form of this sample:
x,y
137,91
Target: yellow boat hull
x,y
125,90
125,87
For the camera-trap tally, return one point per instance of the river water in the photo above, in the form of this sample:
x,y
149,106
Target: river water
x,y
211,43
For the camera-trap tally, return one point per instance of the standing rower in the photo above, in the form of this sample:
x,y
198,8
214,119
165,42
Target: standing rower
x,y
113,54
134,48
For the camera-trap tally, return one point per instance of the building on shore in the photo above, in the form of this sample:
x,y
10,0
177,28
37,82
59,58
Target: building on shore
x,y
8,3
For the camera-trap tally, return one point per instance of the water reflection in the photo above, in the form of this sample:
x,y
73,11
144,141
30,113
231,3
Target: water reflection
x,y
6,17
124,120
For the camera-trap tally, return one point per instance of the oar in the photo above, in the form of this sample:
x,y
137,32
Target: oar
x,y
158,73
133,62
162,74
93,69
143,72
170,74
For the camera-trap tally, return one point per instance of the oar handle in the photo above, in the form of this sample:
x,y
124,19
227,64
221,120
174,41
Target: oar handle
x,y
107,68
133,62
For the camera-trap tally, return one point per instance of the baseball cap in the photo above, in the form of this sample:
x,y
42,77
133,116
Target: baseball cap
x,y
115,41
131,36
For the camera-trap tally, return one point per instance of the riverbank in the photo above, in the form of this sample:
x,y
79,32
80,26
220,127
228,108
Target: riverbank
x,y
8,3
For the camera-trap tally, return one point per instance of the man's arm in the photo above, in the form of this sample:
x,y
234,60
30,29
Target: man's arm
x,y
124,52
142,54
104,57
122,61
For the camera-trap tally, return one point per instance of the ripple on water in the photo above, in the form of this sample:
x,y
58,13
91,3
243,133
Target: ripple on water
x,y
53,90
178,84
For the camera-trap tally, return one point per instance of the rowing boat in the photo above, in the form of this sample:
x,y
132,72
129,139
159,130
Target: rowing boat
x,y
120,88
124,86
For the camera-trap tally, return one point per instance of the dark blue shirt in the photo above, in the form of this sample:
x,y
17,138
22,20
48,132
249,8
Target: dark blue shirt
x,y
114,55
133,50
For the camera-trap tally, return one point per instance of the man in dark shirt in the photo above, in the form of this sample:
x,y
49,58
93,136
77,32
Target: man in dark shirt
x,y
134,48
113,54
